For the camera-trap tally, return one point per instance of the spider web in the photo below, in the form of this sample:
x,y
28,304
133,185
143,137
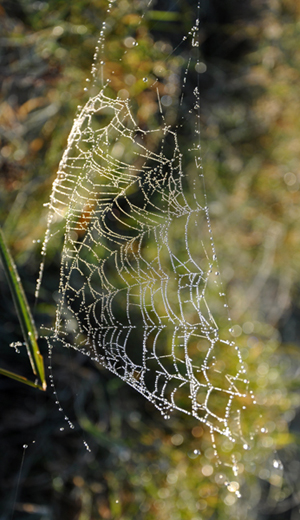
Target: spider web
x,y
139,266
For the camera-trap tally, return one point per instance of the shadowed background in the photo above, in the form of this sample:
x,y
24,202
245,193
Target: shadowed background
x,y
141,466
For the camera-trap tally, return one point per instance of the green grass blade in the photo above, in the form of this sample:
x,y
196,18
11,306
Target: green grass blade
x,y
19,378
23,311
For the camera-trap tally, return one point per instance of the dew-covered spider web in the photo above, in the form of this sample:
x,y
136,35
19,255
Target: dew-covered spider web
x,y
139,288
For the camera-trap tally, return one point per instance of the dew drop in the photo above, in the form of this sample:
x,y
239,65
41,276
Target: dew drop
x,y
277,464
233,487
87,446
235,470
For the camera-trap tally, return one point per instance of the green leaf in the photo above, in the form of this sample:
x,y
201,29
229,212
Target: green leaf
x,y
24,315
21,379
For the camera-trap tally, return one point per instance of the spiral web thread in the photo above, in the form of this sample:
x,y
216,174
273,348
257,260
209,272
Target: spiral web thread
x,y
138,265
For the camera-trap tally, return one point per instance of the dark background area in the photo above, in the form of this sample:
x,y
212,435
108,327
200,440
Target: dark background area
x,y
140,466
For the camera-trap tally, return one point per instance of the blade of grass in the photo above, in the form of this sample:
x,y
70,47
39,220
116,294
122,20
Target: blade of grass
x,y
19,378
23,311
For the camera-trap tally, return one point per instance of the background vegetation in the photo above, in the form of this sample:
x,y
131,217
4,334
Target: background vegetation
x,y
142,466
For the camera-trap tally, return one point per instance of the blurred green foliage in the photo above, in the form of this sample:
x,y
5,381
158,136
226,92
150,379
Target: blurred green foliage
x,y
142,466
